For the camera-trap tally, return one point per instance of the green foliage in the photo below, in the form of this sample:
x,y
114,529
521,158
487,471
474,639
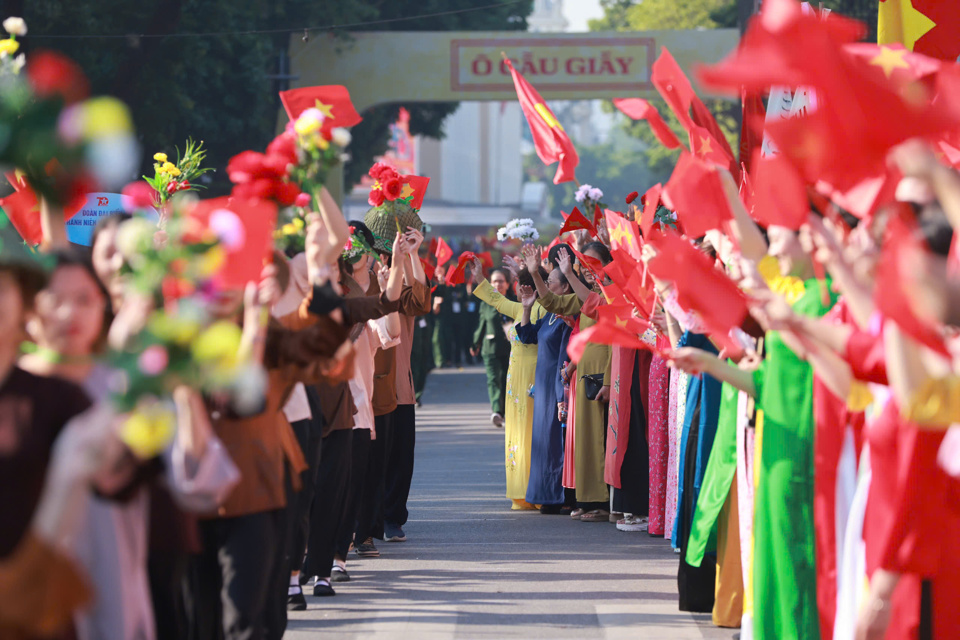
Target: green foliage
x,y
216,88
631,15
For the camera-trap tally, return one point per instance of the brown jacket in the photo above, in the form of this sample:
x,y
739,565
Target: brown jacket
x,y
336,400
414,301
259,445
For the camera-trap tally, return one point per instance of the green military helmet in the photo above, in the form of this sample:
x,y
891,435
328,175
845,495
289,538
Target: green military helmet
x,y
383,222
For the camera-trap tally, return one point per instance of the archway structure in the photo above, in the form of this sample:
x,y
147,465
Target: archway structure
x,y
466,66
448,66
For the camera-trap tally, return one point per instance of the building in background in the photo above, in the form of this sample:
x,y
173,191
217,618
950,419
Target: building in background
x,y
477,181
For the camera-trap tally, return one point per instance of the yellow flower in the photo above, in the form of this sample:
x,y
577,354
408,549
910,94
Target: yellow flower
x,y
160,157
297,223
211,261
218,345
288,229
322,144
306,126
169,167
105,117
170,327
175,172
8,47
148,430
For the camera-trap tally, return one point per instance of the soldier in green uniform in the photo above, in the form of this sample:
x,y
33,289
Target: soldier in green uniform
x,y
443,321
490,341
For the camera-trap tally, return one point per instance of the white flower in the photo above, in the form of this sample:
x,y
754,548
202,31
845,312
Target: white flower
x,y
18,63
581,193
15,26
340,136
502,234
595,194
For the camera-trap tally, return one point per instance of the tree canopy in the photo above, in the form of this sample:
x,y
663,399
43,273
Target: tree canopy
x,y
217,87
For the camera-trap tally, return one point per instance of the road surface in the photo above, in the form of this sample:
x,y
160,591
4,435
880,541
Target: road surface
x,y
471,568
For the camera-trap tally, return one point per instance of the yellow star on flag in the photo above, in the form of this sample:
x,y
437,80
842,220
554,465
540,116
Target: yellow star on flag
x,y
890,59
620,322
620,236
706,147
547,116
406,192
899,22
325,109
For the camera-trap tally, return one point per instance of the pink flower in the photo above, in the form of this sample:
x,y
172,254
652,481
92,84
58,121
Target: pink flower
x,y
153,361
302,201
376,198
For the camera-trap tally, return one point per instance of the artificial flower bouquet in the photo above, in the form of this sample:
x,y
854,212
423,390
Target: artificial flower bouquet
x,y
173,177
61,143
518,229
292,172
180,343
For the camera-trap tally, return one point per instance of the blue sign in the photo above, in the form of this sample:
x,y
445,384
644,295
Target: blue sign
x,y
99,205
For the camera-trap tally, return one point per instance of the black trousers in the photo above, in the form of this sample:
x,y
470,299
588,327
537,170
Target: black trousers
x,y
329,503
299,506
233,575
634,493
400,442
370,515
358,478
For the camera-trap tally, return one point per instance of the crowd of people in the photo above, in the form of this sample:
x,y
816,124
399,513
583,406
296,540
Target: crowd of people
x,y
739,363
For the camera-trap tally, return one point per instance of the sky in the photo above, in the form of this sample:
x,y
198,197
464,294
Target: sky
x,y
578,12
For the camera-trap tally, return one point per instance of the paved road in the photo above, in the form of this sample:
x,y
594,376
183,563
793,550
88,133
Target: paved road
x,y
471,568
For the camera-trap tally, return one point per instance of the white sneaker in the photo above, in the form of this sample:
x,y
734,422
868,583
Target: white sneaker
x,y
497,420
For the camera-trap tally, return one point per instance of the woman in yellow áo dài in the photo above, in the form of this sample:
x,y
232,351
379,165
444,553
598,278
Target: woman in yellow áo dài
x,y
518,416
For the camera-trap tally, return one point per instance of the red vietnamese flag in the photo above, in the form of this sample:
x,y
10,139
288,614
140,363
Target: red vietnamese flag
x,y
443,252
890,294
428,270
675,87
696,193
651,202
597,216
640,109
608,331
930,27
549,139
415,188
252,223
641,294
432,247
332,100
779,194
700,286
457,276
486,259
623,234
592,264
620,268
23,210
575,222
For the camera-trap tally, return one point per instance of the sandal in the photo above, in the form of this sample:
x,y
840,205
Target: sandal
x,y
597,515
576,513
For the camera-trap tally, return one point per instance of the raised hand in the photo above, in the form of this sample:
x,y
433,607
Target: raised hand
x,y
401,246
383,274
414,239
318,248
528,295
269,289
531,257
510,264
564,262
476,270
